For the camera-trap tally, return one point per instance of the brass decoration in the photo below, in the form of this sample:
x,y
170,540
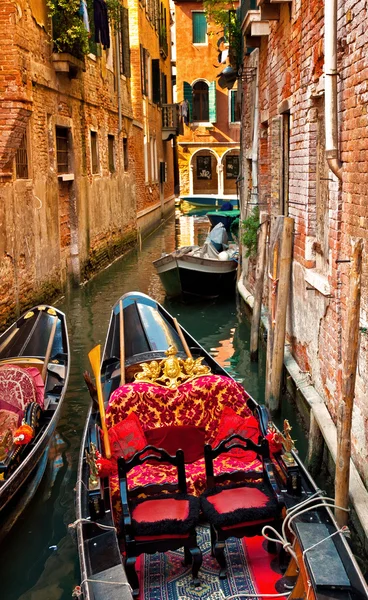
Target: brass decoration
x,y
91,459
6,444
287,441
41,307
172,371
29,314
52,311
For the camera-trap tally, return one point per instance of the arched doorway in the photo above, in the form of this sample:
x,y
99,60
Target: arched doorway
x,y
204,172
230,170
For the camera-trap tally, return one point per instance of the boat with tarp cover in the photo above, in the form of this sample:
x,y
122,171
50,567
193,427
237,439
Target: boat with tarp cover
x,y
181,476
34,370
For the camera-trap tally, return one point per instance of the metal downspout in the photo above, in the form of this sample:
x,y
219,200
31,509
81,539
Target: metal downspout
x,y
255,136
118,82
332,154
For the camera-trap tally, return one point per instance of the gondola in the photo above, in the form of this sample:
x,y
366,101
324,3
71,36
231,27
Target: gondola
x,y
34,370
160,358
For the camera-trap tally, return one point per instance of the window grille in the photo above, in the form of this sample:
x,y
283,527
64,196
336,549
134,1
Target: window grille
x,y
62,149
21,159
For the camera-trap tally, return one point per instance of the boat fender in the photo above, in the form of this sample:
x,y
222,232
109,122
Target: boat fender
x,y
223,255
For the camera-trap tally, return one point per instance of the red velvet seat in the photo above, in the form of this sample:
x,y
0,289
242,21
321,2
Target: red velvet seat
x,y
158,521
241,508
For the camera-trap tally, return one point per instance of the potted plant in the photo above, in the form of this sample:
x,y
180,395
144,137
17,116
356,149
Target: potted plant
x,y
69,35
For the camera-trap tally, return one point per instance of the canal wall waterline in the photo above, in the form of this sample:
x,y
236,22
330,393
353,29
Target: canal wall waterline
x,y
306,393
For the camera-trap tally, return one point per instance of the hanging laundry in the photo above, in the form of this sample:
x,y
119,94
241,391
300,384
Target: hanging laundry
x,y
185,111
83,11
102,33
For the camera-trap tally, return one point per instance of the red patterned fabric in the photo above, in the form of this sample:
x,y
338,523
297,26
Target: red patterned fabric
x,y
235,498
199,402
18,387
188,438
232,423
152,511
127,437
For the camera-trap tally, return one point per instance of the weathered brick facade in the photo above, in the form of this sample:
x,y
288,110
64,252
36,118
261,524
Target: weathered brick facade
x,y
199,62
294,179
60,223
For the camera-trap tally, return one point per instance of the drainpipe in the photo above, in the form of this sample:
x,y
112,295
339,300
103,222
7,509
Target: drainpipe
x,y
331,88
255,136
118,81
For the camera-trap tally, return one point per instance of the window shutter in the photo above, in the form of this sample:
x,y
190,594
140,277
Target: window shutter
x,y
232,106
125,42
212,101
141,51
163,88
156,92
188,95
199,27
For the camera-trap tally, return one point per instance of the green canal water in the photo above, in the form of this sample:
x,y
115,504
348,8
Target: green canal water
x,y
39,557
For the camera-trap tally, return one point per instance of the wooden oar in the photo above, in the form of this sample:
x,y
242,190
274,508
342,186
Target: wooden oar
x,y
95,360
49,349
182,338
122,343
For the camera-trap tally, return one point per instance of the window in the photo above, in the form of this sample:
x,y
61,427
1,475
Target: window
x,y
232,167
199,28
111,150
146,173
152,152
62,149
126,155
235,116
94,153
21,159
163,88
156,90
204,167
124,42
200,101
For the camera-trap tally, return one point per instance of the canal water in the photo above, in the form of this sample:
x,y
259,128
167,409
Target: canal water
x,y
39,558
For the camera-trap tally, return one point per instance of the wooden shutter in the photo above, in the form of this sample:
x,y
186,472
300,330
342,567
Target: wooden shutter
x,y
212,102
199,27
125,42
143,80
156,91
163,88
188,96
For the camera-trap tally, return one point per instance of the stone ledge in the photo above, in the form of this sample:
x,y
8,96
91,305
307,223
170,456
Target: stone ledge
x,y
318,281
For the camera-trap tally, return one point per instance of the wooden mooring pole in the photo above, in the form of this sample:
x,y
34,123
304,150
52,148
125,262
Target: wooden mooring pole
x,y
349,368
258,288
279,286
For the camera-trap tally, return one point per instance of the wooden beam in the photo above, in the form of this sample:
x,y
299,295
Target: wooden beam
x,y
276,356
258,289
346,400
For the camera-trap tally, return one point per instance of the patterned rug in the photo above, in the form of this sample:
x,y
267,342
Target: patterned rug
x,y
163,577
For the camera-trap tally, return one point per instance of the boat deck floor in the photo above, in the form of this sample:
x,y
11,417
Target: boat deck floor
x,y
251,569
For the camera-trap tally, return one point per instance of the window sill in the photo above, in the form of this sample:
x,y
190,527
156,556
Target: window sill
x,y
202,124
200,43
317,281
66,176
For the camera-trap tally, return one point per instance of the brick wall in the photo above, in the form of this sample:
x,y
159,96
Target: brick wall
x,y
327,214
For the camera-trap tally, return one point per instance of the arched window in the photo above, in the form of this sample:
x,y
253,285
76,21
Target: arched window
x,y
200,101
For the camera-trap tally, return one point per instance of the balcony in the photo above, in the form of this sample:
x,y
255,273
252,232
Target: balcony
x,y
170,121
253,25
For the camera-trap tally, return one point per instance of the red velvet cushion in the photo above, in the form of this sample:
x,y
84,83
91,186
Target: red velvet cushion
x,y
152,511
127,437
188,438
235,498
247,427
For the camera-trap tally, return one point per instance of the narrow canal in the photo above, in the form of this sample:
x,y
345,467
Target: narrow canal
x,y
39,558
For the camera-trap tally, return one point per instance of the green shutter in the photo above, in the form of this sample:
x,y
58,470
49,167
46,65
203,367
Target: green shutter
x,y
212,102
125,42
188,95
232,106
199,27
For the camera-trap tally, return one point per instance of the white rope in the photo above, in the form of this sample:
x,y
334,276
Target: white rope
x,y
77,521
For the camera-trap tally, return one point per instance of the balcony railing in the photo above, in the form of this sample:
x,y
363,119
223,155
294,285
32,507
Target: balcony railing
x,y
164,46
170,121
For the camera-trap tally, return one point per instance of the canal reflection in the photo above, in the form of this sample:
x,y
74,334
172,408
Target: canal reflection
x,y
39,557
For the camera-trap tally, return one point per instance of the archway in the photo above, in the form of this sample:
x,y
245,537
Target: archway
x,y
204,172
230,161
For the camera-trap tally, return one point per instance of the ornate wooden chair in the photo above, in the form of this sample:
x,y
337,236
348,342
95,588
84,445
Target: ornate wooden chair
x,y
239,504
159,521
